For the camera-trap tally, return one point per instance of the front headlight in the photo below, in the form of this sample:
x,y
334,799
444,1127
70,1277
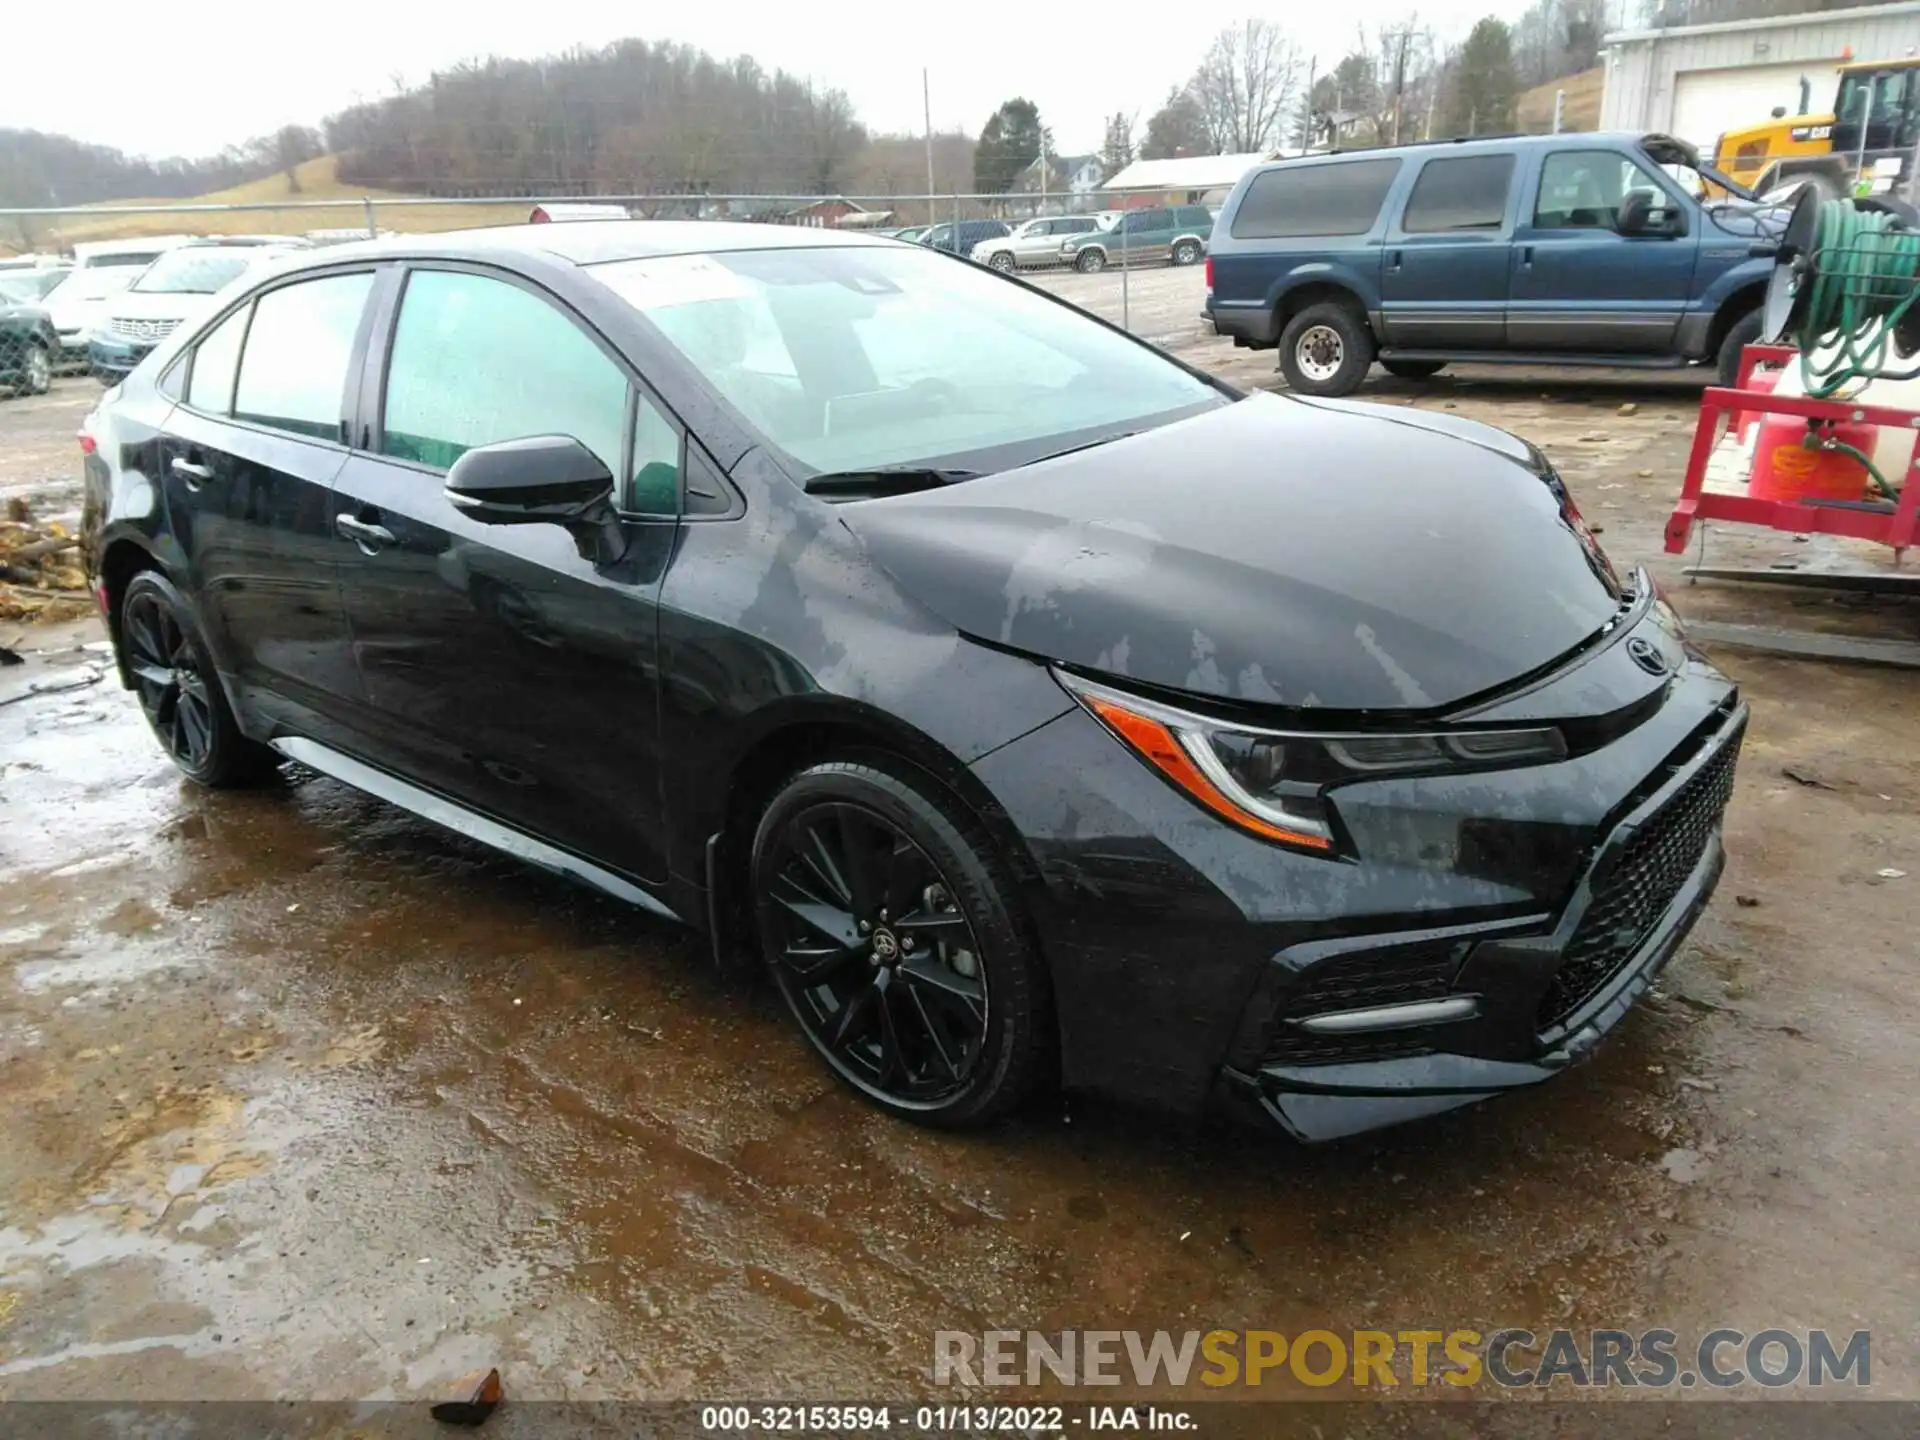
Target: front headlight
x,y
1276,784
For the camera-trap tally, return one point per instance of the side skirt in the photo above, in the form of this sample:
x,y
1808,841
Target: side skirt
x,y
456,817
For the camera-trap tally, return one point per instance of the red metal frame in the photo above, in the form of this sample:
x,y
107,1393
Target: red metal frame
x,y
1898,528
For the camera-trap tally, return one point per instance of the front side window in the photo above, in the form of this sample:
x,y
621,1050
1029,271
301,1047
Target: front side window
x,y
847,357
214,360
477,360
654,487
1468,193
1582,189
293,372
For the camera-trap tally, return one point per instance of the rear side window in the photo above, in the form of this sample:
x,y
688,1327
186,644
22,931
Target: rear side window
x,y
293,373
460,376
1314,200
214,361
1468,193
1195,217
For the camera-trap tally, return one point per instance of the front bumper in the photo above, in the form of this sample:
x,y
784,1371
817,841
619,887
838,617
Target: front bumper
x,y
1534,905
1541,999
114,359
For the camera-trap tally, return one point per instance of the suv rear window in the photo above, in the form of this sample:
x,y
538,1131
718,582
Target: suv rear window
x,y
1467,193
1338,199
1194,217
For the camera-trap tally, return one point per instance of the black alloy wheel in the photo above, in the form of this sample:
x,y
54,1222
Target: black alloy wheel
x,y
890,936
179,692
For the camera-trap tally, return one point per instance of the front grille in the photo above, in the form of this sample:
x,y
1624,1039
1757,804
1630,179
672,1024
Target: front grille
x,y
127,329
1639,886
1361,982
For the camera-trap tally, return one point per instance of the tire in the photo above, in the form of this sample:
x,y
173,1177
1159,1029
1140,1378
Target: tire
x,y
36,372
954,1035
1326,349
179,690
1413,369
1187,252
1090,262
1001,260
1744,332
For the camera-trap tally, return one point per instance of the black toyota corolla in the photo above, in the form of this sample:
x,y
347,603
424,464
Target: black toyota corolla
x,y
1029,705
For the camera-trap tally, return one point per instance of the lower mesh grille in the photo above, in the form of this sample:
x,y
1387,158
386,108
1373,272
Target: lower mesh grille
x,y
1361,982
1639,886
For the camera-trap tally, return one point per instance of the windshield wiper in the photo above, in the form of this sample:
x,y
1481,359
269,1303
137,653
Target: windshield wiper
x,y
884,480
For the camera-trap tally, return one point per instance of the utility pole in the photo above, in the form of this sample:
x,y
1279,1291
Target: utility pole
x,y
1306,125
926,113
1400,79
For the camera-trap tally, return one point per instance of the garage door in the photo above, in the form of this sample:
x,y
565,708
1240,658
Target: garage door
x,y
1708,102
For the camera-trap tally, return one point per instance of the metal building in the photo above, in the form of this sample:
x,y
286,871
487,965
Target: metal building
x,y
1696,81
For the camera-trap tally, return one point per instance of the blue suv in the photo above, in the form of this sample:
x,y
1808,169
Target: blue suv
x,y
1540,249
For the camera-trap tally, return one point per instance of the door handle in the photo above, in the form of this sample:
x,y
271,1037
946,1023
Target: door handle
x,y
1394,259
194,475
367,536
1526,257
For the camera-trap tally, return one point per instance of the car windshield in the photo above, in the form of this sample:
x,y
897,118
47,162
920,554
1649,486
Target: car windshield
x,y
852,357
194,272
28,285
96,282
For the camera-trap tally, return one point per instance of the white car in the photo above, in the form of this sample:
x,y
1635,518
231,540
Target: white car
x,y
178,287
100,271
1037,242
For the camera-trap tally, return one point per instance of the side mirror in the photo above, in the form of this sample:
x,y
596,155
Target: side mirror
x,y
1643,213
543,479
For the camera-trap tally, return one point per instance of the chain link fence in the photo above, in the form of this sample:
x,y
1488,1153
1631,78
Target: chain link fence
x,y
80,282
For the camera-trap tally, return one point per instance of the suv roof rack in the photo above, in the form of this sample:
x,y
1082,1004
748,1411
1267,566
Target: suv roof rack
x,y
1417,144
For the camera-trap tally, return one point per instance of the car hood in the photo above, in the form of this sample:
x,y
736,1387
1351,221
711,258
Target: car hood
x,y
1282,552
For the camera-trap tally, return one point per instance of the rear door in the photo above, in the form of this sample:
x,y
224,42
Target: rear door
x,y
249,458
1142,236
503,666
1578,284
1443,277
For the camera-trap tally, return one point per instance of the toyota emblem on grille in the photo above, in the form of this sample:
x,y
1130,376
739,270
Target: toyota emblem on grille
x,y
1647,656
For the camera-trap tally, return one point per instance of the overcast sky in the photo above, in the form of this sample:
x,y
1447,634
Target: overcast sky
x,y
165,80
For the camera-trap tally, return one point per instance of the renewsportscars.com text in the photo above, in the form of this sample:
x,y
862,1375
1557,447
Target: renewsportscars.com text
x,y
1509,1359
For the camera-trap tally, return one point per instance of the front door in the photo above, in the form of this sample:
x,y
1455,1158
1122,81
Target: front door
x,y
1578,283
248,461
1443,276
511,667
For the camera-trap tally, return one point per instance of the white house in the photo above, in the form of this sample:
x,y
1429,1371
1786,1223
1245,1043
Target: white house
x,y
1188,180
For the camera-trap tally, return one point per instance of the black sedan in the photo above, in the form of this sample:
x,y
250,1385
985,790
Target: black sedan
x,y
1029,706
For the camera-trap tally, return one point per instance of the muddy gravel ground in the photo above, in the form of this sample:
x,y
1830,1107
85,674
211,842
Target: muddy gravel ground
x,y
308,1099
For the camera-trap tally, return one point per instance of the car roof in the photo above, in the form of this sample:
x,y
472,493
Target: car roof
x,y
595,242
1484,145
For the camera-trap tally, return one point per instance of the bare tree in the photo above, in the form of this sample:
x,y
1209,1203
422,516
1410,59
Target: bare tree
x,y
1247,86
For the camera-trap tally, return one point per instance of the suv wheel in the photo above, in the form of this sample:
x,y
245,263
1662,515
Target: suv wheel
x,y
1001,260
179,691
893,934
1090,260
1326,349
1187,252
1745,331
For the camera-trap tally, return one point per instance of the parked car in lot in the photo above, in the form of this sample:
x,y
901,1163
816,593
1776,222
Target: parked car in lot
x,y
1159,235
1024,701
962,238
101,270
1032,242
177,287
1546,249
27,343
30,285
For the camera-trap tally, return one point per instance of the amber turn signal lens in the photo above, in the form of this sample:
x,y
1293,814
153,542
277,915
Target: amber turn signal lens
x,y
1162,749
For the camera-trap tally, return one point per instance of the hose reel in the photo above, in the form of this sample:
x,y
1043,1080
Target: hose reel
x,y
1846,286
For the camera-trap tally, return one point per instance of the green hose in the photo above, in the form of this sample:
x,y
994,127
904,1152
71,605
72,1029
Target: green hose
x,y
1866,270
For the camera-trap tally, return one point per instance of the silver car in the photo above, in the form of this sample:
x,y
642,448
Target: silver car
x,y
1037,242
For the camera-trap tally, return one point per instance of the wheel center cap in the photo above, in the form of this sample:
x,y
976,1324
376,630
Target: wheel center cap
x,y
886,949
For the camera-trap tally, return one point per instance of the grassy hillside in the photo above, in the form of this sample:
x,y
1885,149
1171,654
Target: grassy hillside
x,y
1533,110
318,181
